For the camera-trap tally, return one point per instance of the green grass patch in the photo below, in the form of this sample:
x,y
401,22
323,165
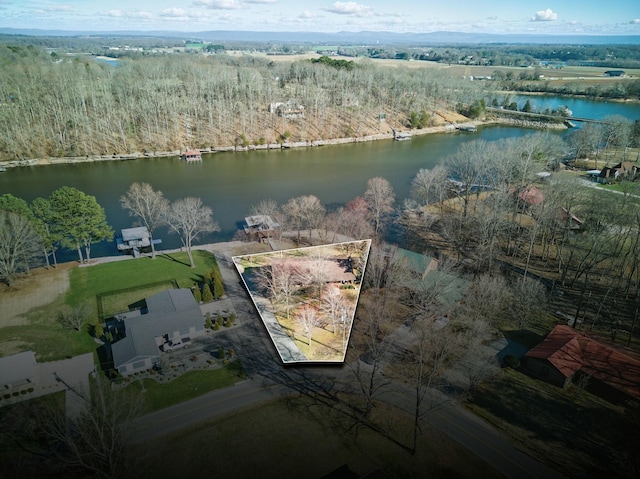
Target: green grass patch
x,y
126,299
302,438
49,340
569,429
189,385
87,283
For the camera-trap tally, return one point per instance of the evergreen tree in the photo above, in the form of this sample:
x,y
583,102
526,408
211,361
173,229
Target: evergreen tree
x,y
207,296
197,294
218,285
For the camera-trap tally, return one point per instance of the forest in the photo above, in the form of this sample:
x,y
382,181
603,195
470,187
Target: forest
x,y
73,105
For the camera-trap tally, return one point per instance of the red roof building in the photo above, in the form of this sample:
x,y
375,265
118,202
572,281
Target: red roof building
x,y
565,353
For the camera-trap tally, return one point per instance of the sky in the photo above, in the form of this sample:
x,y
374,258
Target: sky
x,y
590,17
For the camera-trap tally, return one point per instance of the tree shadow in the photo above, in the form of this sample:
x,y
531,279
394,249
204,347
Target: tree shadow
x,y
171,258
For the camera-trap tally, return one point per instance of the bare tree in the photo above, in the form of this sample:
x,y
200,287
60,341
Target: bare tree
x,y
19,245
96,439
309,319
434,349
466,167
333,305
429,185
380,197
530,298
281,282
189,218
147,205
304,212
74,317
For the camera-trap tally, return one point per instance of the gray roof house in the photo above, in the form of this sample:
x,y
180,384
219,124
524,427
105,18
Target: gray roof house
x,y
172,317
18,370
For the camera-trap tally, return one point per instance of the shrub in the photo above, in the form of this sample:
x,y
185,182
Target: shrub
x,y
197,294
7,396
511,361
218,285
207,295
207,321
96,330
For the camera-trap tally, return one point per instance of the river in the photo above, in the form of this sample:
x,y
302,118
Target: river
x,y
230,183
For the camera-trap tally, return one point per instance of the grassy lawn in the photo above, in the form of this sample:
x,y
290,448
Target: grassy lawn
x,y
192,384
569,429
301,438
44,335
125,300
87,283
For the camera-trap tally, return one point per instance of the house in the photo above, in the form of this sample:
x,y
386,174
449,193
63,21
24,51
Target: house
x,y
260,226
566,354
614,73
624,169
333,270
191,156
288,109
171,319
18,370
529,195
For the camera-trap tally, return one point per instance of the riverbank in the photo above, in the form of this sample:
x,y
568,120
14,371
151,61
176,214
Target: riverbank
x,y
269,146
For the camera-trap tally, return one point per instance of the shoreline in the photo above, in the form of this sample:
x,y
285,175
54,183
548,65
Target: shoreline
x,y
66,160
448,128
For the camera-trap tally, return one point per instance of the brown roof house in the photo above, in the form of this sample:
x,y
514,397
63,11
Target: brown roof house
x,y
565,354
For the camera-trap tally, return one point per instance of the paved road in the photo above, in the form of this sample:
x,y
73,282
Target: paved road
x,y
269,379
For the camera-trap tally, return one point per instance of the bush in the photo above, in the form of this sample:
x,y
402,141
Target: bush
x,y
511,361
197,294
207,295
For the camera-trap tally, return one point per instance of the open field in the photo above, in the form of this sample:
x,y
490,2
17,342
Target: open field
x,y
566,73
302,438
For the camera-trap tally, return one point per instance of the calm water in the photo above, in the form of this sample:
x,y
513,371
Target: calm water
x,y
230,183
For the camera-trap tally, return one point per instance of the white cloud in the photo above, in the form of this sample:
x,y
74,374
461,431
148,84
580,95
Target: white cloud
x,y
307,14
173,13
58,8
350,8
219,4
547,15
635,21
113,13
261,1
120,14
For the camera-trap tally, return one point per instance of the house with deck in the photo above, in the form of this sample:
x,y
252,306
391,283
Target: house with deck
x,y
260,227
134,240
169,320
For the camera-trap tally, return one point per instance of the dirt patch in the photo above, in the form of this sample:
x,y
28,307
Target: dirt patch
x,y
37,289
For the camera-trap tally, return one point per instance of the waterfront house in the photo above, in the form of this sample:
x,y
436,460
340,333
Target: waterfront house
x,y
169,319
260,226
191,156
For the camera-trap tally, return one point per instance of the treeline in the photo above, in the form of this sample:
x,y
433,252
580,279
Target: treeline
x,y
76,106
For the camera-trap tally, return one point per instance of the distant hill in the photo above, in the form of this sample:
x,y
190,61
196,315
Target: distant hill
x,y
350,38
